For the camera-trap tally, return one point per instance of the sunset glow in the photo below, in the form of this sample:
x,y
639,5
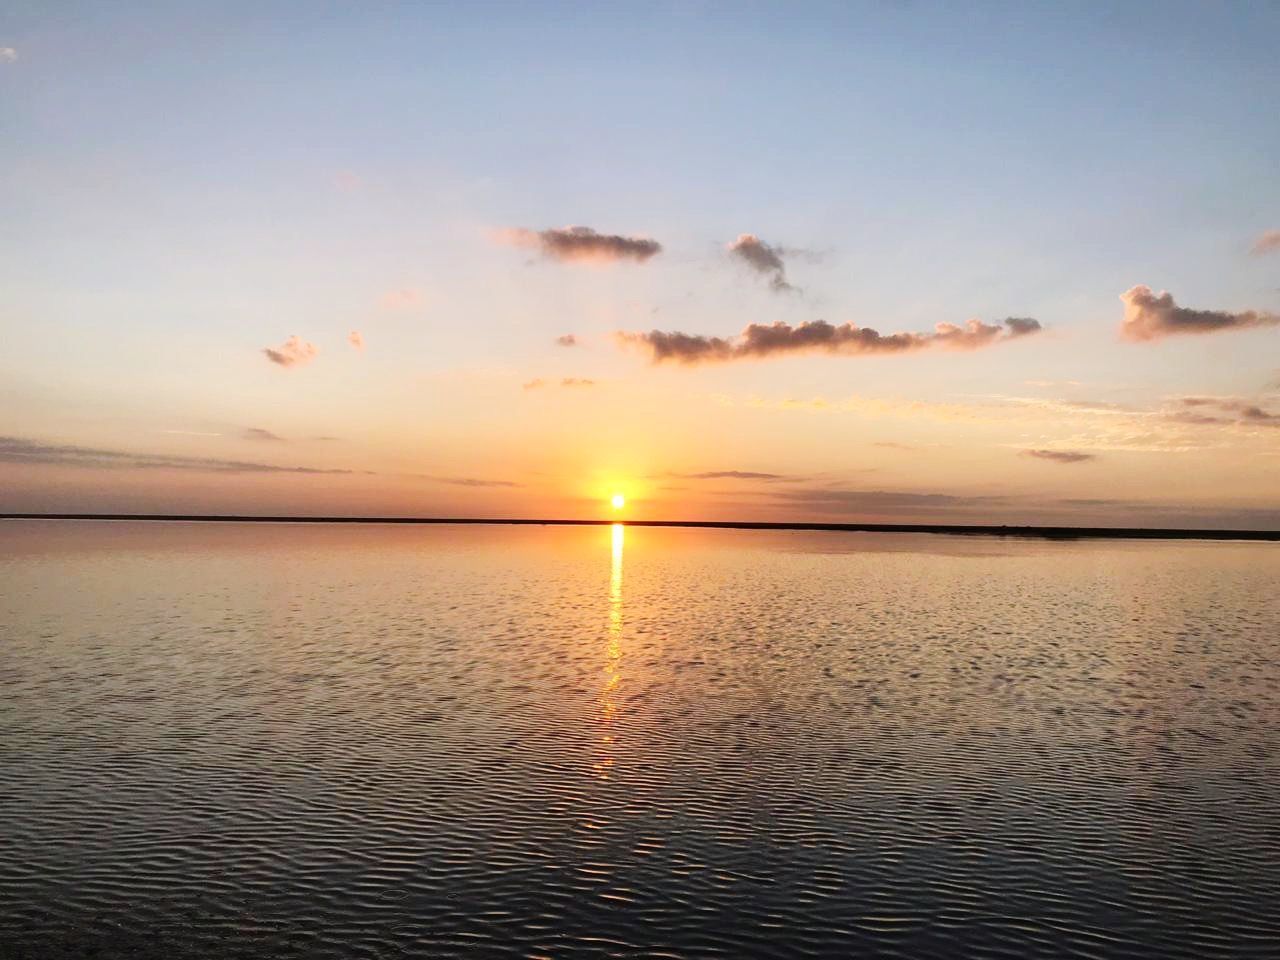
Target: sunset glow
x,y
618,501
405,308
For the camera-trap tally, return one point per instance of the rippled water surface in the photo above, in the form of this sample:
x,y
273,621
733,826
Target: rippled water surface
x,y
310,741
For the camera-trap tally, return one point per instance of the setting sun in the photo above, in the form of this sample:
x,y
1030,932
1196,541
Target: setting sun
x,y
618,501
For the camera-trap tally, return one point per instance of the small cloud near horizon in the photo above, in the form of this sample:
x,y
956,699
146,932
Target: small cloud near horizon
x,y
1269,242
258,433
763,259
1246,411
294,352
758,341
581,244
356,339
1150,317
1060,456
567,340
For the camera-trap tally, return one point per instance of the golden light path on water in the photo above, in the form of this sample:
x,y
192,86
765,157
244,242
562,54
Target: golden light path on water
x,y
612,654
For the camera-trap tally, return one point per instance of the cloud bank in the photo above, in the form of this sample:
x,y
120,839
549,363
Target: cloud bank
x,y
581,245
763,259
1245,411
1060,456
294,352
1150,317
758,341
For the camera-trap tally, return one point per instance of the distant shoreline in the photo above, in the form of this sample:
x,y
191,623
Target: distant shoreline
x,y
978,530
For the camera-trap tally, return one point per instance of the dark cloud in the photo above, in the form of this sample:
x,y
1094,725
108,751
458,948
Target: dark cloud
x,y
567,340
257,433
582,245
763,259
294,352
818,336
1269,242
1060,456
1151,317
18,450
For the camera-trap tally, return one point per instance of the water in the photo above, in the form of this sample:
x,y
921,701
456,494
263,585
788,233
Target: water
x,y
260,741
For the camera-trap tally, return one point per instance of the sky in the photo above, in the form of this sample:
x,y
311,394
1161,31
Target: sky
x,y
995,263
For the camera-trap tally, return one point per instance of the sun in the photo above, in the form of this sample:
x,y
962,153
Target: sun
x,y
618,501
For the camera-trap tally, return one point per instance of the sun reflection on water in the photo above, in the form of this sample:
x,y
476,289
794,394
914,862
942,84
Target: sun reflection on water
x,y
612,656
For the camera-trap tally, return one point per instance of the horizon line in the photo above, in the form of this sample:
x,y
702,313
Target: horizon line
x,y
948,529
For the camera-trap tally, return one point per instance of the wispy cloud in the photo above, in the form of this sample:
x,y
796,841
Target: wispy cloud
x,y
1151,317
404,298
734,475
19,450
1246,411
581,244
1269,242
763,259
1060,456
356,339
8,55
567,340
258,433
469,481
294,352
758,341
538,383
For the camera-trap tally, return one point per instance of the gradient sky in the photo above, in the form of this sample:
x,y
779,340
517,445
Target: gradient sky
x,y
186,189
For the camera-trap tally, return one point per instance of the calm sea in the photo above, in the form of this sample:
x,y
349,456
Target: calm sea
x,y
311,741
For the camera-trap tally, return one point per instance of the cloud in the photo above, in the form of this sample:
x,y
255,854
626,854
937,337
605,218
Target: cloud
x,y
733,475
470,481
567,340
18,450
8,55
581,245
759,341
1151,317
1269,242
763,259
356,339
538,383
883,501
1060,456
1246,411
257,433
294,352
406,298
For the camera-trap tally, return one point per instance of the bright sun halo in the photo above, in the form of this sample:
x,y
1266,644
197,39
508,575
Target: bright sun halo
x,y
618,501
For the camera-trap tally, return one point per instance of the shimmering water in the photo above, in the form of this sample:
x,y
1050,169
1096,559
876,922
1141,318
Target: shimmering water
x,y
252,741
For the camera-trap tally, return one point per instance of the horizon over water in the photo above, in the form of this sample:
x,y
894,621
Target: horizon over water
x,y
235,739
